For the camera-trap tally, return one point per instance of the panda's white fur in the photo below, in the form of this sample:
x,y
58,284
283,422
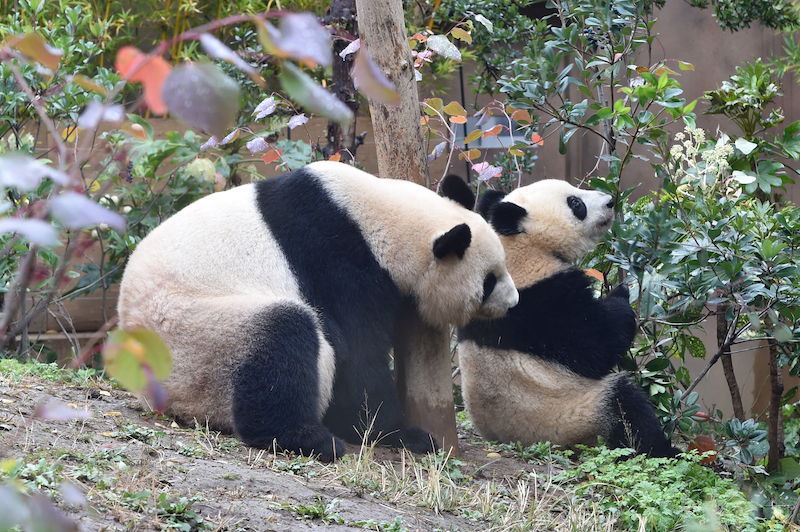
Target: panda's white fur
x,y
278,301
544,372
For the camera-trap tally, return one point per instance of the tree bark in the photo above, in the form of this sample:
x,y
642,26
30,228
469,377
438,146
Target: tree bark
x,y
777,448
727,363
422,354
398,131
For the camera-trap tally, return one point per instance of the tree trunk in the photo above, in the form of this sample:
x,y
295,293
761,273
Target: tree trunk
x,y
342,16
422,354
777,449
727,363
398,131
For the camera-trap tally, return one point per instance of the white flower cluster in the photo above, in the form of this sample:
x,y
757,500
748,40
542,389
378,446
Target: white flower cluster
x,y
710,169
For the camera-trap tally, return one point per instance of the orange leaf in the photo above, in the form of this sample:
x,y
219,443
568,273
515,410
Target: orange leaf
x,y
494,131
34,46
641,69
336,157
273,155
591,272
419,37
536,139
150,71
458,119
522,116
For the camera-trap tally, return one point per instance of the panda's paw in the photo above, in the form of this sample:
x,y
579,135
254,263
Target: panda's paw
x,y
330,450
621,292
417,441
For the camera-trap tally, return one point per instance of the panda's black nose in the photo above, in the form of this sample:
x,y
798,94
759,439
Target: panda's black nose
x,y
610,203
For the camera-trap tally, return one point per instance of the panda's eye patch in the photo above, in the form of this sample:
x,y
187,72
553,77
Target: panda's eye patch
x,y
577,206
488,286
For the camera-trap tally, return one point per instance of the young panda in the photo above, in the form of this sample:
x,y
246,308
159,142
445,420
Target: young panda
x,y
544,371
278,300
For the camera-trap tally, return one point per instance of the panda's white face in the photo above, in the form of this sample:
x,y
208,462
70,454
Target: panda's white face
x,y
548,225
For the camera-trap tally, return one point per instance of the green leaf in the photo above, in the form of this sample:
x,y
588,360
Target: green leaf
x,y
313,97
126,354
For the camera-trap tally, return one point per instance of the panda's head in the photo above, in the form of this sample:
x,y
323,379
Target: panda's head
x,y
547,226
544,227
467,276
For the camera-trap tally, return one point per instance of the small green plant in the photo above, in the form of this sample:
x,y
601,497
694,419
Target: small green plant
x,y
178,514
668,493
318,510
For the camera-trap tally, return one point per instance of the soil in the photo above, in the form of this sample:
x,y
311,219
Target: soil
x,y
237,487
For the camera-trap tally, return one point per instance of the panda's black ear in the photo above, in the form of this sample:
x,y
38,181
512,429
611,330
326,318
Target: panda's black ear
x,y
455,188
489,199
455,241
505,218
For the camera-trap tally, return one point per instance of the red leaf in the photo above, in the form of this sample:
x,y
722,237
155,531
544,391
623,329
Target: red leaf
x,y
703,444
152,72
536,139
271,156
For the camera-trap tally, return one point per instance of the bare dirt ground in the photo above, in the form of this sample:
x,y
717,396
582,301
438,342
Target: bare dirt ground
x,y
140,471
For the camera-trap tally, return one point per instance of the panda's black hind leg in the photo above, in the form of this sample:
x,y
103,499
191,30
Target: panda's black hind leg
x,y
633,422
276,389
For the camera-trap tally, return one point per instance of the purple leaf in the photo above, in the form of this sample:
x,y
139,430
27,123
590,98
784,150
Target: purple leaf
x,y
76,211
305,91
265,108
96,112
483,115
368,78
489,172
350,49
155,392
257,145
213,142
59,412
202,96
297,120
216,49
25,173
437,151
73,495
442,46
233,135
300,36
35,231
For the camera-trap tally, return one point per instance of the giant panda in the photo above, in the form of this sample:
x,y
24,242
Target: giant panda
x,y
544,371
278,300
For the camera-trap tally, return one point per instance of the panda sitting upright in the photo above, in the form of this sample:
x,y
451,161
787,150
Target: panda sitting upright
x,y
279,300
544,371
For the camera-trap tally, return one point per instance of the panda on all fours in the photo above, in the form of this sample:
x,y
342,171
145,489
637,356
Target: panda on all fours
x,y
545,370
278,300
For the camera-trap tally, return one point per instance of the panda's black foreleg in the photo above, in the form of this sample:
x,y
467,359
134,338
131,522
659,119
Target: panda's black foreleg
x,y
633,421
276,391
365,403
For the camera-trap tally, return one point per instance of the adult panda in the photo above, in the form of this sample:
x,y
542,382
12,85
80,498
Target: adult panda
x,y
544,371
278,300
